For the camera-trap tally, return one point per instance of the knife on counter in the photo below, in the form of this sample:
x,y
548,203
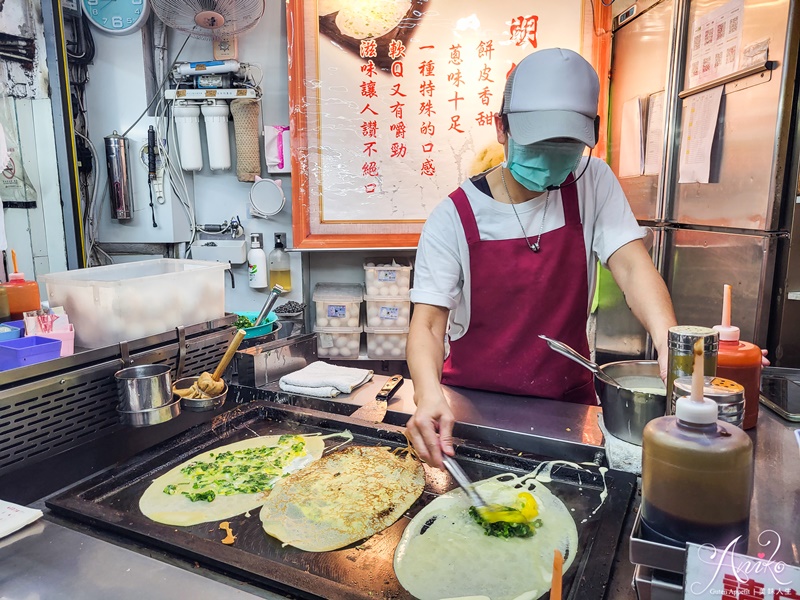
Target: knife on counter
x,y
376,411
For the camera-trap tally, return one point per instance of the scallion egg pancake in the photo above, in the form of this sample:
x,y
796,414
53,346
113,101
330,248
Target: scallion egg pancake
x,y
445,553
362,19
342,498
227,481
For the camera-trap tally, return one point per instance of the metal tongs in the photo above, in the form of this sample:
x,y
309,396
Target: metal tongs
x,y
463,480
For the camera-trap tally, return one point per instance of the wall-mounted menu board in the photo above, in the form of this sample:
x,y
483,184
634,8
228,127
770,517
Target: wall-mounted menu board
x,y
391,102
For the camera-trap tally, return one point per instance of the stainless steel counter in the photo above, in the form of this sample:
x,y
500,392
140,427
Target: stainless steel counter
x,y
59,562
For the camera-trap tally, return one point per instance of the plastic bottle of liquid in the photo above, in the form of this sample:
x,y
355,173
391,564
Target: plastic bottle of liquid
x,y
280,269
23,296
697,474
739,361
257,259
5,314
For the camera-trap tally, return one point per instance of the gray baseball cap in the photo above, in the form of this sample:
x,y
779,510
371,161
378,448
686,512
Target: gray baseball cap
x,y
552,93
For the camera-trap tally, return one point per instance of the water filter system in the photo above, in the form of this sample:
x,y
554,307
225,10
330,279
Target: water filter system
x,y
119,181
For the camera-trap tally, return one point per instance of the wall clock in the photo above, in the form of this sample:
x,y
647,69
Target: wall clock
x,y
118,17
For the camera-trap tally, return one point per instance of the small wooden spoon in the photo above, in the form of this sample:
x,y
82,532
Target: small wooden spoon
x,y
228,356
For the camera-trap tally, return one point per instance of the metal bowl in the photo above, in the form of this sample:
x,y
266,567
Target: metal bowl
x,y
627,409
152,416
198,404
144,387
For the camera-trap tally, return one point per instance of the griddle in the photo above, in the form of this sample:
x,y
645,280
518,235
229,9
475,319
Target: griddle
x,y
363,570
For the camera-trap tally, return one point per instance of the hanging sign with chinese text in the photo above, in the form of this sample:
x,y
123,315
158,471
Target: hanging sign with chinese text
x,y
392,103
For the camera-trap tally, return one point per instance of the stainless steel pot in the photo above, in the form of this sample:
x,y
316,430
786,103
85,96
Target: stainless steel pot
x,y
627,407
199,404
144,387
152,416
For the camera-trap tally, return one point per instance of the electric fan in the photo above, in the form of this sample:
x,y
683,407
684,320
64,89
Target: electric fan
x,y
210,19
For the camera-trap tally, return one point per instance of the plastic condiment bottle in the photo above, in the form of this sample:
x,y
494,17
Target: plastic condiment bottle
x,y
280,268
697,475
23,296
257,259
739,361
5,314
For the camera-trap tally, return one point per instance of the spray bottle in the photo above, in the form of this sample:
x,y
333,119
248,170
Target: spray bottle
x,y
739,361
697,474
257,259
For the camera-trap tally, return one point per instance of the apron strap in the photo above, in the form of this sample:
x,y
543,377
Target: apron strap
x,y
569,200
467,216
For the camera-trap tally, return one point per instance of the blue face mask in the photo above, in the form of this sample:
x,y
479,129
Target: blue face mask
x,y
544,164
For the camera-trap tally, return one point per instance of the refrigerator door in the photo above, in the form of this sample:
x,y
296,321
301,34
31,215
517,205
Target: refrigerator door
x,y
699,263
750,145
639,68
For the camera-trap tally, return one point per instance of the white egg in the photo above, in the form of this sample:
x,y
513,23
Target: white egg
x,y
405,311
353,344
372,290
322,351
320,310
401,321
378,351
333,351
374,322
322,321
403,280
352,322
334,322
345,352
384,290
396,351
388,345
373,311
394,290
370,264
379,338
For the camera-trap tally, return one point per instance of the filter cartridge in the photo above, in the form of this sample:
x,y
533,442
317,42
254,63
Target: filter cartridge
x,y
187,121
218,140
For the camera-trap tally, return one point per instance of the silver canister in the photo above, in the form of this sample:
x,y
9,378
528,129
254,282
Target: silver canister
x,y
146,387
680,363
119,182
728,395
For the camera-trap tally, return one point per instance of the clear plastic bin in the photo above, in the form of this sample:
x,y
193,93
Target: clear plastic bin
x,y
134,300
387,276
388,311
387,343
338,304
338,342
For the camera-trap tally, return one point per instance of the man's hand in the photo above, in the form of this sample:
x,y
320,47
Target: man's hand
x,y
430,429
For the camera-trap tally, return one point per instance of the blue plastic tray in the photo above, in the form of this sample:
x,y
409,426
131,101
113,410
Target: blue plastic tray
x,y
263,329
27,351
14,330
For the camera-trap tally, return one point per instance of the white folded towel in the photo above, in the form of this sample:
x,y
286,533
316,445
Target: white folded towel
x,y
324,380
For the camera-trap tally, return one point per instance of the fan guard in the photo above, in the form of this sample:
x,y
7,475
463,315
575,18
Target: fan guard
x,y
210,19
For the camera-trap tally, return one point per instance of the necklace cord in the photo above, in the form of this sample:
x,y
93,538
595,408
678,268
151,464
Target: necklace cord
x,y
536,246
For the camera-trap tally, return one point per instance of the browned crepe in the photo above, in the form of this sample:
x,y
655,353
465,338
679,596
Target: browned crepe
x,y
342,498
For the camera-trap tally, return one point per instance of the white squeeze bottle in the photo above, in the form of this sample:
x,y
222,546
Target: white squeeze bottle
x,y
257,259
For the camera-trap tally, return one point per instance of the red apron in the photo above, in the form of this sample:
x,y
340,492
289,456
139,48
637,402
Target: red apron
x,y
516,295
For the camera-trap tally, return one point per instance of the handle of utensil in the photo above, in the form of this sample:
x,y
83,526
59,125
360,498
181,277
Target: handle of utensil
x,y
555,584
271,299
228,356
570,353
389,388
462,480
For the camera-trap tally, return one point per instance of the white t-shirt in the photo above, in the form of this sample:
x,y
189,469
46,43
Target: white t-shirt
x,y
441,270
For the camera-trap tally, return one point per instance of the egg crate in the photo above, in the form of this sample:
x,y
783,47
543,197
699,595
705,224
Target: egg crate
x,y
360,571
61,404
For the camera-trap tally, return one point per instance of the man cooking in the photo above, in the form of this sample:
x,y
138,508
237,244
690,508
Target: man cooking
x,y
512,254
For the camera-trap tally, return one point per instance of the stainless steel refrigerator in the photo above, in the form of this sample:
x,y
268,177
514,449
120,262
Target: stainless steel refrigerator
x,y
737,228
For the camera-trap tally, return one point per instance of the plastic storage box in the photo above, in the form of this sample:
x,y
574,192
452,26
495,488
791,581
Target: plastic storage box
x,y
387,276
11,330
387,344
387,311
338,304
27,351
338,342
129,301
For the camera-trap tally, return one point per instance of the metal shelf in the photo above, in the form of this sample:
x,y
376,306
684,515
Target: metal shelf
x,y
754,70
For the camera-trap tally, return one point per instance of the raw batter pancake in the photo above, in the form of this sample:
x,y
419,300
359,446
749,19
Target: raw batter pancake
x,y
342,498
444,553
227,481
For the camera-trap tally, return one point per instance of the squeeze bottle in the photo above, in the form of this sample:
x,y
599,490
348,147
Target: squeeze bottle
x,y
257,259
23,296
697,474
739,361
